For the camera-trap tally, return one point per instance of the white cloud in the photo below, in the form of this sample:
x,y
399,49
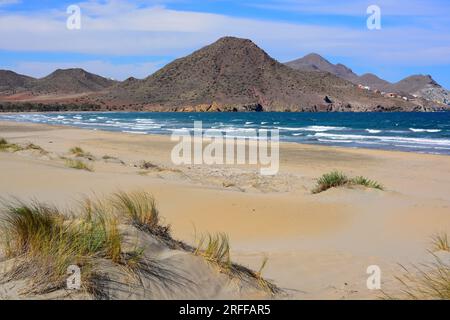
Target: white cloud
x,y
354,7
6,2
119,28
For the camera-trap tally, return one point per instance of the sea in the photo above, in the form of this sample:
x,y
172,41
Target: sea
x,y
412,132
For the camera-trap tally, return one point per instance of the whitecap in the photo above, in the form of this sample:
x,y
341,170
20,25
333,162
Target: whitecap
x,y
425,130
373,131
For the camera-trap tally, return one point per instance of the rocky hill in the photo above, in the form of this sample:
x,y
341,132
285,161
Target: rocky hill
x,y
231,74
10,82
234,74
70,81
417,85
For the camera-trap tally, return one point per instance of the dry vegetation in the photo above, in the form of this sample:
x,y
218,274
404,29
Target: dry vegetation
x,y
429,281
42,242
78,164
336,179
79,152
6,146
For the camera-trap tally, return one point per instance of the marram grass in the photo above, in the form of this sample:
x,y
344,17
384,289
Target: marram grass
x,y
139,206
440,242
46,243
79,165
336,179
215,248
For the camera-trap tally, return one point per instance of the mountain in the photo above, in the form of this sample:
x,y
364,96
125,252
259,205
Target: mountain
x,y
235,74
373,81
231,74
11,81
315,62
423,86
417,85
70,81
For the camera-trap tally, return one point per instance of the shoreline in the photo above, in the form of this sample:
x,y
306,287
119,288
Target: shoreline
x,y
168,134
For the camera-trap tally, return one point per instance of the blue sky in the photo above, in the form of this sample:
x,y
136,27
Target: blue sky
x,y
121,38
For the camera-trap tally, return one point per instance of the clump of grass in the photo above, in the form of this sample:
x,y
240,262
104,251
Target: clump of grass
x,y
362,181
79,152
6,146
79,165
428,282
331,180
337,179
263,283
440,242
215,248
140,207
46,243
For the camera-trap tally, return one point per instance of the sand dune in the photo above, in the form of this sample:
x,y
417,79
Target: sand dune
x,y
319,246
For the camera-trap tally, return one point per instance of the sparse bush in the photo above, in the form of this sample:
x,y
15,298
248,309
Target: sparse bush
x,y
78,164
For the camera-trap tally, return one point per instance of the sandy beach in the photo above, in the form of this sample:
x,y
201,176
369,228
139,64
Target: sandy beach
x,y
318,245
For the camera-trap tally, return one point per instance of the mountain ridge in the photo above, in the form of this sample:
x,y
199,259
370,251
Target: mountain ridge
x,y
423,86
231,74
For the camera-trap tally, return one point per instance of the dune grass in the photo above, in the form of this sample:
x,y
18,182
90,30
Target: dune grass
x,y
440,242
215,248
336,179
13,147
46,243
79,165
79,152
429,281
139,206
43,241
6,146
362,181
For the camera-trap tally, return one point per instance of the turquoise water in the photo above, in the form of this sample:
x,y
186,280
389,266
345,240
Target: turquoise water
x,y
416,132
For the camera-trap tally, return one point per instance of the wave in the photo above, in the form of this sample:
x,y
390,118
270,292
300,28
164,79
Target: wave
x,y
134,132
422,141
373,131
425,130
334,141
313,128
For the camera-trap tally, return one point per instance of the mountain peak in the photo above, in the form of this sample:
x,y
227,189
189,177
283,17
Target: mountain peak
x,y
315,62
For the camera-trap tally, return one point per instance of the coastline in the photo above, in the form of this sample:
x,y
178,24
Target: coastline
x,y
318,246
409,140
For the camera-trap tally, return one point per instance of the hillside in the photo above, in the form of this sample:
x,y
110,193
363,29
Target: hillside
x,y
231,74
418,85
70,81
10,82
235,74
315,62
